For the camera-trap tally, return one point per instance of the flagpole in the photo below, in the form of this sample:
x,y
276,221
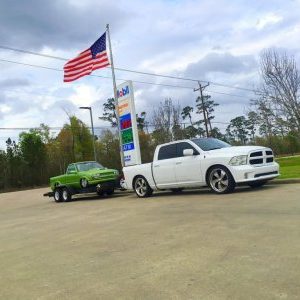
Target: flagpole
x,y
115,94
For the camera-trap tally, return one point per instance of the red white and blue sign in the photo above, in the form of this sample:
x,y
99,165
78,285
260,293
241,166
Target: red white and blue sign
x,y
128,126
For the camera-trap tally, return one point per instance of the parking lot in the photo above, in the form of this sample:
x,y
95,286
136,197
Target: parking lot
x,y
193,245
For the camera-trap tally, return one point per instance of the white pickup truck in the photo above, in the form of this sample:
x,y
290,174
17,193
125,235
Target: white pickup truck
x,y
200,162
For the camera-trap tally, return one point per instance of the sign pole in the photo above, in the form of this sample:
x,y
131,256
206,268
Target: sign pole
x,y
115,95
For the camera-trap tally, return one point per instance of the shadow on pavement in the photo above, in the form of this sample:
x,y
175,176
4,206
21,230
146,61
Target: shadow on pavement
x,y
207,191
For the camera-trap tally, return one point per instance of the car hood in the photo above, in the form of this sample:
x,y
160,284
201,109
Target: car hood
x,y
235,150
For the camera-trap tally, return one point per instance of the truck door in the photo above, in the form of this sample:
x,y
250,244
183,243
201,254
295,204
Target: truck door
x,y
187,168
164,167
71,175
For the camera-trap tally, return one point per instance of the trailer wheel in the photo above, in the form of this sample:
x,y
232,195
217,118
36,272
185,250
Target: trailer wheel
x,y
141,187
57,195
66,195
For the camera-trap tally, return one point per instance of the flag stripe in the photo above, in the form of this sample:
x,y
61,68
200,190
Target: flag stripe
x,y
79,57
83,58
87,61
87,71
87,66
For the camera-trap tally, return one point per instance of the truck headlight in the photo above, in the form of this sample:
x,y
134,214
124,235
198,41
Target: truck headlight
x,y
238,160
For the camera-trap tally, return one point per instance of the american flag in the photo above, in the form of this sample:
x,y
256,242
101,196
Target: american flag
x,y
87,61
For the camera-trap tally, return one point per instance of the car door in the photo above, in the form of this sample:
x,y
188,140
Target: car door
x,y
164,167
71,175
187,168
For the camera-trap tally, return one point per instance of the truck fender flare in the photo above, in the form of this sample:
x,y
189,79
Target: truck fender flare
x,y
215,165
58,185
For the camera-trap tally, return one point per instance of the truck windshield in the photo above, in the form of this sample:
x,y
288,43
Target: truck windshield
x,y
86,166
207,144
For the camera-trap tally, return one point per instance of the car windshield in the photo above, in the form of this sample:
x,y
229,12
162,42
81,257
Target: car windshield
x,y
86,166
207,144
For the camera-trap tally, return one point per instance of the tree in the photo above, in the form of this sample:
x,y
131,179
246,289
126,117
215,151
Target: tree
x,y
14,165
209,108
253,122
140,120
166,121
237,130
34,156
280,86
109,113
108,150
187,113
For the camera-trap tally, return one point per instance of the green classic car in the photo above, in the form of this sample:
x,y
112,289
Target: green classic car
x,y
83,177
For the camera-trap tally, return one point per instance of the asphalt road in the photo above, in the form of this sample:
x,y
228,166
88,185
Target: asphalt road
x,y
195,245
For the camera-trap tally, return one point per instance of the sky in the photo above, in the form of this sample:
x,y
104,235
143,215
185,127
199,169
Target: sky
x,y
211,40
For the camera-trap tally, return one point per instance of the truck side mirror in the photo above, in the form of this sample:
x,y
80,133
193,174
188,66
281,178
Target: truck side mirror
x,y
188,152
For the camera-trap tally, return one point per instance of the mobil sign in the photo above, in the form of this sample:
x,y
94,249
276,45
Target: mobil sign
x,y
127,119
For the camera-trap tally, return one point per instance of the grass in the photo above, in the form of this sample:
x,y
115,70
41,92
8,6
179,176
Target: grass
x,y
289,167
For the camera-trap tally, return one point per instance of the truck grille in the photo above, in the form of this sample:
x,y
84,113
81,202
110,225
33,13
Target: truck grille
x,y
261,157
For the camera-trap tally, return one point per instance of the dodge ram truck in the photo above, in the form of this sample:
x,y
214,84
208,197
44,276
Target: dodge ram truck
x,y
202,162
83,177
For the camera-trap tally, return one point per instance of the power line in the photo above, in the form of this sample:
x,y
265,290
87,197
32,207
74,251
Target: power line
x,y
108,77
95,127
131,71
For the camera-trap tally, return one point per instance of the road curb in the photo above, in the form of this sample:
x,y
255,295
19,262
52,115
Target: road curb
x,y
285,181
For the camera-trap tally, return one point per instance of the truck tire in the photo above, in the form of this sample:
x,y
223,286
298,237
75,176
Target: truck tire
x,y
57,195
257,184
141,187
100,193
110,192
66,195
83,182
220,180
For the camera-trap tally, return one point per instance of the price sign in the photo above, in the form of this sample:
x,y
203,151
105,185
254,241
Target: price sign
x,y
128,126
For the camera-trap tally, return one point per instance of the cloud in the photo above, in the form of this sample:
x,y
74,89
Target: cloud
x,y
267,20
34,24
221,63
14,82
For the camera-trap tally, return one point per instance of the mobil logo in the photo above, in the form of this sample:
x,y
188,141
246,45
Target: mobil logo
x,y
123,92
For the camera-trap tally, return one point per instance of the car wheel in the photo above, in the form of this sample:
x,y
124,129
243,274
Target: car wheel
x,y
57,195
66,195
141,187
178,190
257,184
220,180
84,183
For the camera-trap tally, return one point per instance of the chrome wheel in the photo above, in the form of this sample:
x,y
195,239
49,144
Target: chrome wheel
x,y
140,187
83,183
65,195
218,180
57,195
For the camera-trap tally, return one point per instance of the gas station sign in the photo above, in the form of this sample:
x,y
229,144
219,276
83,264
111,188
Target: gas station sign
x,y
128,126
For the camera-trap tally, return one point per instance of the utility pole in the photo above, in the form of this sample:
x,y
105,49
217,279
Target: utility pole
x,y
201,89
